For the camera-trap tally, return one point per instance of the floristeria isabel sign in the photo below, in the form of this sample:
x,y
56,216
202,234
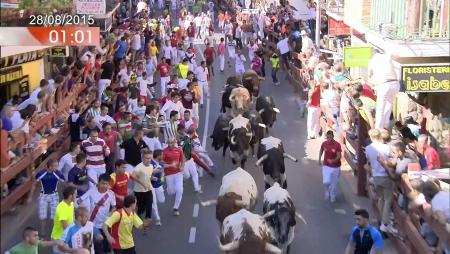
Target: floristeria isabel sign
x,y
426,78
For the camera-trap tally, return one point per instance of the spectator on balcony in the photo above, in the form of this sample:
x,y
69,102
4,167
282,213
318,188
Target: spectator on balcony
x,y
431,155
4,159
383,77
96,150
313,105
398,165
384,187
405,132
67,162
34,95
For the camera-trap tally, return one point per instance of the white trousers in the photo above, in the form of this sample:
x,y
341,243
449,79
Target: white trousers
x,y
174,56
164,81
102,85
47,201
175,186
94,173
240,69
222,62
313,122
158,196
190,170
330,177
386,93
132,103
195,114
154,61
204,90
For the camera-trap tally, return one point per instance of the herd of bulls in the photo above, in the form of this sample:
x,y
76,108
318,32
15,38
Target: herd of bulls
x,y
243,124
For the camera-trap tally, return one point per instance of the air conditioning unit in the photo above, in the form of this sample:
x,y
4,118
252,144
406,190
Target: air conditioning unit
x,y
388,30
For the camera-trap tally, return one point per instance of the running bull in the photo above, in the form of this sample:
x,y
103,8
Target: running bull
x,y
271,155
281,215
240,135
220,133
266,108
238,190
244,232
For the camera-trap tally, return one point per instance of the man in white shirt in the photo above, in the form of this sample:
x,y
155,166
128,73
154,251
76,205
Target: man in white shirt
x,y
307,43
33,96
283,47
252,47
102,202
135,45
201,72
67,162
173,104
103,117
383,77
239,60
167,52
152,141
238,36
384,186
143,83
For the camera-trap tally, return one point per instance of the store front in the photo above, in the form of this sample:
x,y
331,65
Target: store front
x,y
21,71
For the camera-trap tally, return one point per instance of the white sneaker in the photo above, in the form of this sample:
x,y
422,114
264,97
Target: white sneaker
x,y
332,199
388,229
158,223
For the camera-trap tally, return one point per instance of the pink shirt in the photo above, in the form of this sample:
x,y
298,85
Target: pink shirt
x,y
432,157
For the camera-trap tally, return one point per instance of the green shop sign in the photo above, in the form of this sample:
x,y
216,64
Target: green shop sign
x,y
357,56
426,78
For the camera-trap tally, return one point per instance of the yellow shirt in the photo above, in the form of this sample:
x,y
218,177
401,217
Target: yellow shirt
x,y
144,174
63,212
153,50
121,224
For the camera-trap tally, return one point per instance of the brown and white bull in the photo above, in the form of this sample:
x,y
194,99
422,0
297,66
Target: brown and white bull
x,y
238,190
244,232
281,216
240,100
271,155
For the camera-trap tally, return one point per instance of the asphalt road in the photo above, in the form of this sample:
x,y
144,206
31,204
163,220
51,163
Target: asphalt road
x,y
195,231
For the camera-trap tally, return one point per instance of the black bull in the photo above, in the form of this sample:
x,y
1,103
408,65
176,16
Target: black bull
x,y
273,164
220,133
240,143
266,108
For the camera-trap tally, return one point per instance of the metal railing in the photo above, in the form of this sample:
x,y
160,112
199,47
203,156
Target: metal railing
x,y
410,20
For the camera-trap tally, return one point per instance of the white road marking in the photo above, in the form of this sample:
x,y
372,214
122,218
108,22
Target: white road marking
x,y
195,212
192,235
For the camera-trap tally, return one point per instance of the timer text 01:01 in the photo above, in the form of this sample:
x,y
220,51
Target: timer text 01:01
x,y
78,36
61,20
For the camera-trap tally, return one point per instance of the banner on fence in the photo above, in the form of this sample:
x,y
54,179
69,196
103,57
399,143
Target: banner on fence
x,y
426,78
337,27
91,7
357,56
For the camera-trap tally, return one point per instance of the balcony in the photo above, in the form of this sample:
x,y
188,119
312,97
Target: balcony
x,y
410,19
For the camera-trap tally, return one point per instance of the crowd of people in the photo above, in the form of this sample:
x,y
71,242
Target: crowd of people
x,y
149,82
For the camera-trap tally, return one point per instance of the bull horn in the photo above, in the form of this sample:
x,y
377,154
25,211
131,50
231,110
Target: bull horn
x,y
239,202
263,158
232,141
208,203
260,78
268,214
292,158
229,246
272,249
300,217
262,125
225,128
249,134
276,110
231,98
261,111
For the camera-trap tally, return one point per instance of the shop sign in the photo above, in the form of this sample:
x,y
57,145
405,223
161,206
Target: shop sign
x,y
357,56
336,28
91,7
426,78
22,58
11,74
62,51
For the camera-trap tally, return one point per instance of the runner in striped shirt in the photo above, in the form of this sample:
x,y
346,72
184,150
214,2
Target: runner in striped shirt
x,y
170,127
96,150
